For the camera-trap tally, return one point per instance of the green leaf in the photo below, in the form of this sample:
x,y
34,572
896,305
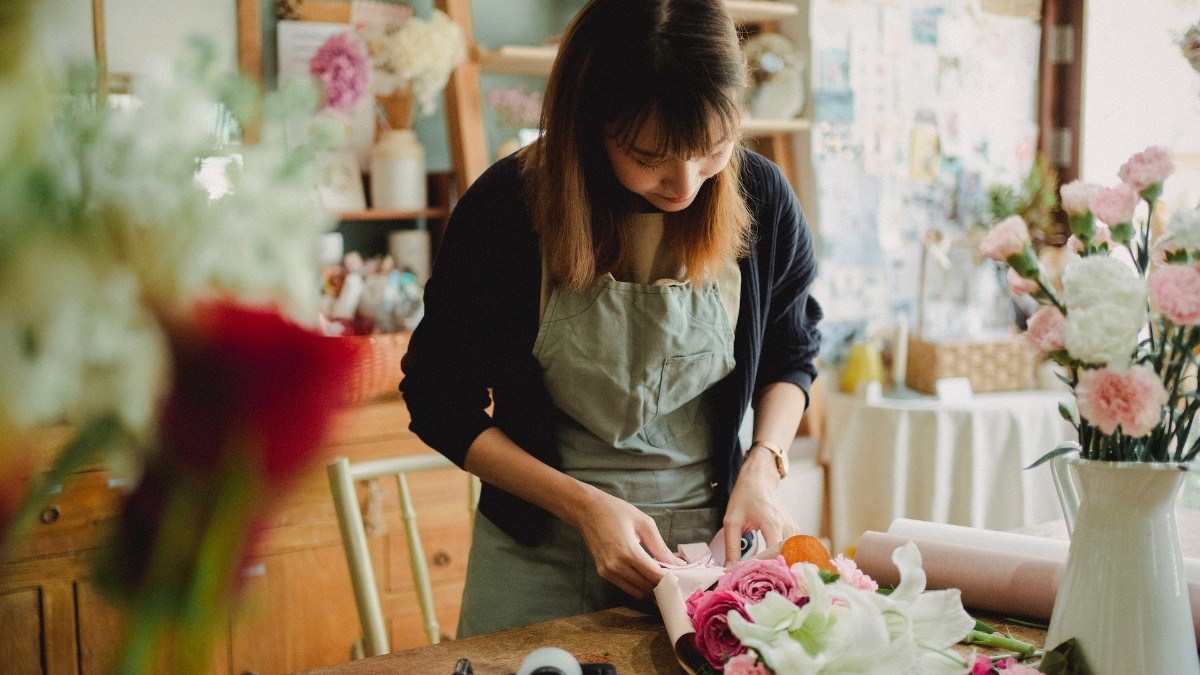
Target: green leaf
x,y
1062,449
1065,659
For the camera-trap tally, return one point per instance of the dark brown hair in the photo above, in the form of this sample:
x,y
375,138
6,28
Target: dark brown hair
x,y
621,64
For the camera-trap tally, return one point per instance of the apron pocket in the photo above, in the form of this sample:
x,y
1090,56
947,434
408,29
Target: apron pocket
x,y
684,380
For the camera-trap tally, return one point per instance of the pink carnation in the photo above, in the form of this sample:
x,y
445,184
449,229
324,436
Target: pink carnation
x,y
1174,292
715,642
982,665
1115,205
752,579
745,664
1132,400
1146,168
1045,328
1007,238
849,574
1077,196
1019,285
341,66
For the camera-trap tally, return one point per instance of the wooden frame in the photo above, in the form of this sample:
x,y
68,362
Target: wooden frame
x,y
249,41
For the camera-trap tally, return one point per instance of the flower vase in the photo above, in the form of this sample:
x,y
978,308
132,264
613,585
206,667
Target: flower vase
x,y
1123,595
398,159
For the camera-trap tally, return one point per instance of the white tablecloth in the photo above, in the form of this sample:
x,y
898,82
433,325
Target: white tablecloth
x,y
958,463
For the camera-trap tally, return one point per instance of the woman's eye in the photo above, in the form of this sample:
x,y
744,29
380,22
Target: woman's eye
x,y
647,165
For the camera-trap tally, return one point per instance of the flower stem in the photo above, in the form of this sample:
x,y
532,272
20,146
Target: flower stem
x,y
1000,642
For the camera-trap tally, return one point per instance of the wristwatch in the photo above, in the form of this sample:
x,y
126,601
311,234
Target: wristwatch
x,y
781,458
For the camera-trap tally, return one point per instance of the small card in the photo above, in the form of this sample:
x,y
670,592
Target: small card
x,y
953,389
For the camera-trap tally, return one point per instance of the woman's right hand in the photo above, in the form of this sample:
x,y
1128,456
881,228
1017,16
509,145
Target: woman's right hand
x,y
615,532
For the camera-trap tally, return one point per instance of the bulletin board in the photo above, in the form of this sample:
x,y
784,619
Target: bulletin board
x,y
918,108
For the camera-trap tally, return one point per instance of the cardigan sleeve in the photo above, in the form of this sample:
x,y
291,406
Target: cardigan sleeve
x,y
791,339
446,368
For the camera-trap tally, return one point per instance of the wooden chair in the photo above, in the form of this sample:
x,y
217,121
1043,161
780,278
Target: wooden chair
x,y
343,476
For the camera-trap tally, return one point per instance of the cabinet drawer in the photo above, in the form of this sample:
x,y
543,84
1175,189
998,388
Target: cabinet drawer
x,y
75,517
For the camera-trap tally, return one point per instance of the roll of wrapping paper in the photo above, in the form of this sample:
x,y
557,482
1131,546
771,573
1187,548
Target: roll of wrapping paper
x,y
998,582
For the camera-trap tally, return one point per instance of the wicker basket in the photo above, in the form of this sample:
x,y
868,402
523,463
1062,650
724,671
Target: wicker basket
x,y
1001,365
376,369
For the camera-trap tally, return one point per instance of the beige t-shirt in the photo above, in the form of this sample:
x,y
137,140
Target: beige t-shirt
x,y
653,263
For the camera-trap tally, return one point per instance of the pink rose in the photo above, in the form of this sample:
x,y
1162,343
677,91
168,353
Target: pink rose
x,y
1077,197
715,642
1019,285
745,664
1174,292
1008,238
1045,328
1115,205
1148,167
982,665
1132,400
849,574
752,579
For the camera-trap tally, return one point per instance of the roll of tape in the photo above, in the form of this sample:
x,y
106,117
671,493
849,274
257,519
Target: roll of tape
x,y
549,661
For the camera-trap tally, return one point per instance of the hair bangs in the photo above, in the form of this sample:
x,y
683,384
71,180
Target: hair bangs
x,y
687,123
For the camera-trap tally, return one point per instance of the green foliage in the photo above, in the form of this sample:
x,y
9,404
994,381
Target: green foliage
x,y
1034,200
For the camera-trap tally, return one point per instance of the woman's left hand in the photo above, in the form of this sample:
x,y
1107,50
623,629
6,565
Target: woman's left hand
x,y
755,505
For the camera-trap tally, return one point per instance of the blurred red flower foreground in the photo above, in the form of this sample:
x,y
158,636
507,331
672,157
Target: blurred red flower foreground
x,y
251,399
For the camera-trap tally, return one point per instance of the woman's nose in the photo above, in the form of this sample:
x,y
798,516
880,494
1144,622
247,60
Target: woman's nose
x,y
683,178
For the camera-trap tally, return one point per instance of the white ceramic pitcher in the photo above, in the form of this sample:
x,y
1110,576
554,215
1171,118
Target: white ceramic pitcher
x,y
1123,594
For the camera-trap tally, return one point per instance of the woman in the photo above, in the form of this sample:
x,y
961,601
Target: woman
x,y
624,288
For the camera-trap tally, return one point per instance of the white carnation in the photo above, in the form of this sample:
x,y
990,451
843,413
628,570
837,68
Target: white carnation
x,y
1103,280
1104,333
1185,228
424,54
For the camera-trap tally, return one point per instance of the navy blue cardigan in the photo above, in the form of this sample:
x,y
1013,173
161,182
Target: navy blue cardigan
x,y
481,319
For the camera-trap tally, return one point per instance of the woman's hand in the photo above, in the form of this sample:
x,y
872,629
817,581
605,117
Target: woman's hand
x,y
615,532
755,505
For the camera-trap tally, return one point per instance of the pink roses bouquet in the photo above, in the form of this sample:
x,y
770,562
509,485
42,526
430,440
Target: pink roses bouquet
x,y
762,617
1126,322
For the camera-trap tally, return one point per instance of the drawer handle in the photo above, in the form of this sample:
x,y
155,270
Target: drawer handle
x,y
50,515
441,559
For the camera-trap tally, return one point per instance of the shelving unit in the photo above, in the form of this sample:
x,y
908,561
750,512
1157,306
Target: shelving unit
x,y
464,105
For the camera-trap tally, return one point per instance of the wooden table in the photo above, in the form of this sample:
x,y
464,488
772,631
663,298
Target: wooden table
x,y
635,643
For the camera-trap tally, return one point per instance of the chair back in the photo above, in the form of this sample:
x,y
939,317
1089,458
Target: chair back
x,y
343,476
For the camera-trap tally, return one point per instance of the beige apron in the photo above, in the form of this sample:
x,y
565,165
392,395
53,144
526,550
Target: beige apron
x,y
627,364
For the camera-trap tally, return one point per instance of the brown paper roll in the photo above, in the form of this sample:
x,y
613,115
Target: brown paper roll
x,y
1009,584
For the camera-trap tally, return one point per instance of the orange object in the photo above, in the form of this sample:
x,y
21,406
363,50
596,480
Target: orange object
x,y
805,548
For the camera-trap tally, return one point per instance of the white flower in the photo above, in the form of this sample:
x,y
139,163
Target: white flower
x,y
1185,228
1104,334
423,54
842,629
76,342
1098,280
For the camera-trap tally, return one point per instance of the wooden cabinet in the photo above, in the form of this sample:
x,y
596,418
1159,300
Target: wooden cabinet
x,y
298,608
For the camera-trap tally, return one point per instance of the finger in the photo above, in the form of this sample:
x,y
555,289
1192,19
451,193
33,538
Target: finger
x,y
626,578
733,543
772,533
652,539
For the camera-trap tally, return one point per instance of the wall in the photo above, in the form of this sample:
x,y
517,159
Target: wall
x,y
1139,91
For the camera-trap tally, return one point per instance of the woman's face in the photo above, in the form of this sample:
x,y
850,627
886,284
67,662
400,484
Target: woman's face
x,y
669,183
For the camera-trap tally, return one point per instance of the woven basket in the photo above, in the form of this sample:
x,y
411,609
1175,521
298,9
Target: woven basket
x,y
376,370
1000,365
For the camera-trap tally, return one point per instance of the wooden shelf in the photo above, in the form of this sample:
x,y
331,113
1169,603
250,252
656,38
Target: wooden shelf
x,y
518,60
389,214
537,60
748,11
765,127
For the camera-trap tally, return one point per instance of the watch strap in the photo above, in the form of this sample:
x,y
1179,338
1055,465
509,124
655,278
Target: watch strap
x,y
781,458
